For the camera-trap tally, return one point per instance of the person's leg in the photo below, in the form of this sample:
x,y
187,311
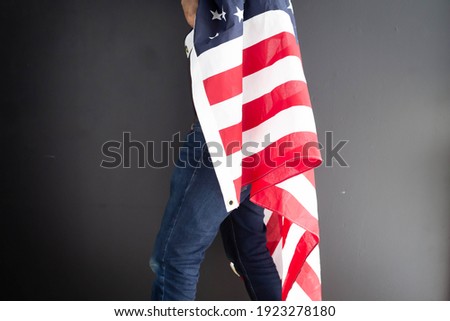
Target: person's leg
x,y
244,238
190,223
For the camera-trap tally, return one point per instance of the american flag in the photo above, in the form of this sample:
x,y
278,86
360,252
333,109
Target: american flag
x,y
252,101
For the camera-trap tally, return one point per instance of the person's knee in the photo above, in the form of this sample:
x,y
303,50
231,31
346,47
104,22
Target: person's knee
x,y
155,264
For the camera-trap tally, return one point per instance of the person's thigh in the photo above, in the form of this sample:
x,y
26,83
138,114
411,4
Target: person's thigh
x,y
190,223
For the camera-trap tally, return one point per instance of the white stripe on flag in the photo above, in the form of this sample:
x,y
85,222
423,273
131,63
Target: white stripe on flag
x,y
228,112
266,25
277,257
234,162
314,261
213,61
297,294
211,134
264,81
294,235
267,215
287,121
302,189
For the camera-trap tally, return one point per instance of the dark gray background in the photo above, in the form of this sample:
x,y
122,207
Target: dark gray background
x,y
79,73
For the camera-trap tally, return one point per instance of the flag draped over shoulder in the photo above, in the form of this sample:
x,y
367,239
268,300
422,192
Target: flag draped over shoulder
x,y
252,101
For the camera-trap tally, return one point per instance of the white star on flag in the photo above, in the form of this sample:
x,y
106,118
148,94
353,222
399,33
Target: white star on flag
x,y
216,15
223,15
240,14
215,36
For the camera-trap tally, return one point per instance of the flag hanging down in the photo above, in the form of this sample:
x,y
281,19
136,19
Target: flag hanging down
x,y
253,104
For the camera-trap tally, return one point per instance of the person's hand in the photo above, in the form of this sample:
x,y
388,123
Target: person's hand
x,y
190,10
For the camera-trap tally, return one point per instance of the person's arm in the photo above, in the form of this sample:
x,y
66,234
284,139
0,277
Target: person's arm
x,y
190,10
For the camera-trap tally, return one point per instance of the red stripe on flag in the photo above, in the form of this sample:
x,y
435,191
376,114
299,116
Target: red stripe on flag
x,y
224,85
274,48
281,201
273,234
309,282
305,245
231,139
291,93
280,160
237,186
285,229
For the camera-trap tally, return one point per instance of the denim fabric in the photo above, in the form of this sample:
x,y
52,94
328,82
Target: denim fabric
x,y
193,215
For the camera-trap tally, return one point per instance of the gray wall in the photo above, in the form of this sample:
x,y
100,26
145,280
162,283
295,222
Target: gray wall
x,y
80,73
379,73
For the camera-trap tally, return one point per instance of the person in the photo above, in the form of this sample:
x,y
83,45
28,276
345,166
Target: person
x,y
193,216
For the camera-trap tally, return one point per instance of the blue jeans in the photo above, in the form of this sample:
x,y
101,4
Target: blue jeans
x,y
194,214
